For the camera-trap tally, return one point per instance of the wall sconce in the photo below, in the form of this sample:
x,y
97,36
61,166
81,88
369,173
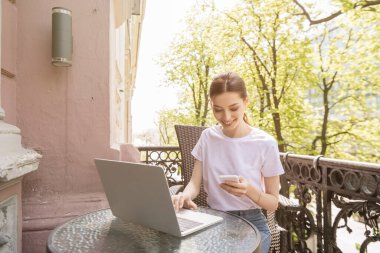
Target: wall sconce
x,y
62,39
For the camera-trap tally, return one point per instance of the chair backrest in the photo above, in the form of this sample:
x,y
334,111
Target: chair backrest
x,y
187,138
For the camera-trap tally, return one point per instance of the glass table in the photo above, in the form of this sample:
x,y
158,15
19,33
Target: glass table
x,y
100,231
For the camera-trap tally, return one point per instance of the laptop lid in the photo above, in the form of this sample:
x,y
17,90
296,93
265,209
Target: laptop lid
x,y
138,193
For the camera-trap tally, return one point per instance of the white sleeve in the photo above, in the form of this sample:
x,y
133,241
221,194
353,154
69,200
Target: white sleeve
x,y
272,164
198,148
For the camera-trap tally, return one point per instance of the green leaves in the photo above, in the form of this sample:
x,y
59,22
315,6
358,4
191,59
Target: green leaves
x,y
315,88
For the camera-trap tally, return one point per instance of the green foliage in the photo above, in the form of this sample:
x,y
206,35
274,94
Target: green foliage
x,y
346,79
357,246
316,89
170,117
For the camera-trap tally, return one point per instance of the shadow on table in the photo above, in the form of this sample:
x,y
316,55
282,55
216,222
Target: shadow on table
x,y
129,237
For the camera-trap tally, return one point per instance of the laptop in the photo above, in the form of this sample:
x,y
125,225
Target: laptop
x,y
139,193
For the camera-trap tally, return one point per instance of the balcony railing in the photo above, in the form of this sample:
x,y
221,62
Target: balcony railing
x,y
168,157
328,195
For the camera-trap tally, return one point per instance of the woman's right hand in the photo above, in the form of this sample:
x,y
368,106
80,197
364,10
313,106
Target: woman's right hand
x,y
181,200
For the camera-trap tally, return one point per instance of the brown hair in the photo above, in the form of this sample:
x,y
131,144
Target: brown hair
x,y
228,82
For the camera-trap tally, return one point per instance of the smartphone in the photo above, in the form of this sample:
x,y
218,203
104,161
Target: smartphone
x,y
234,178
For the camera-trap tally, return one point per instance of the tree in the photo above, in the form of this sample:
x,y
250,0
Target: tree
x,y
148,137
273,54
346,78
188,64
167,119
345,5
315,88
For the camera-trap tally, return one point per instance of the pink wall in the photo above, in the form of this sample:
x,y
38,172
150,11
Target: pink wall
x,y
8,57
63,113
8,99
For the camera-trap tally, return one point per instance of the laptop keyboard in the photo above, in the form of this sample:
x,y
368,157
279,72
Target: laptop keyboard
x,y
185,224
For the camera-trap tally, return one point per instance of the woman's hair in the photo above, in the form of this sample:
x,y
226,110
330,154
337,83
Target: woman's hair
x,y
228,82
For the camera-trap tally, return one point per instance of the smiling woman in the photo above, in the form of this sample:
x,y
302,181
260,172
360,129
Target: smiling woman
x,y
235,148
229,101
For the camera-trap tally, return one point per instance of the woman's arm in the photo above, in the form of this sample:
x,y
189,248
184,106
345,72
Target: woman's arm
x,y
184,199
194,186
267,200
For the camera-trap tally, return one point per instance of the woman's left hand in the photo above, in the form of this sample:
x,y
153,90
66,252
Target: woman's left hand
x,y
236,188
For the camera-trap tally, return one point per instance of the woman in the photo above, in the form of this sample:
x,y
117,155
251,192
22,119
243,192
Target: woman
x,y
233,147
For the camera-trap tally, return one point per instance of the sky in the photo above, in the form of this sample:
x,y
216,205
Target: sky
x,y
162,20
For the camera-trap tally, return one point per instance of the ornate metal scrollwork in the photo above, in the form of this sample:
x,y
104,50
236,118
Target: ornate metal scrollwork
x,y
336,178
304,193
303,224
353,187
371,214
166,157
369,211
352,181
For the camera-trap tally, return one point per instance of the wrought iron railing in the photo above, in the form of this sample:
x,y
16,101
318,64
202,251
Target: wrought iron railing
x,y
168,157
326,193
329,192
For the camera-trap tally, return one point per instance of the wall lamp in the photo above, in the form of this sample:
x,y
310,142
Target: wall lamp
x,y
62,39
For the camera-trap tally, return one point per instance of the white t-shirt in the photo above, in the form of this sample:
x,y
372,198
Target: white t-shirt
x,y
253,156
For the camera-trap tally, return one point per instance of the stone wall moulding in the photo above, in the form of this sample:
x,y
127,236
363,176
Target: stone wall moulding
x,y
15,161
18,164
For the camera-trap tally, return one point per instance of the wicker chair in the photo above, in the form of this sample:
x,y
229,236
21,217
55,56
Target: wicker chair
x,y
187,138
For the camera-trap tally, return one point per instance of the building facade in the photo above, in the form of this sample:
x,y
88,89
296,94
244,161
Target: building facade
x,y
58,119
